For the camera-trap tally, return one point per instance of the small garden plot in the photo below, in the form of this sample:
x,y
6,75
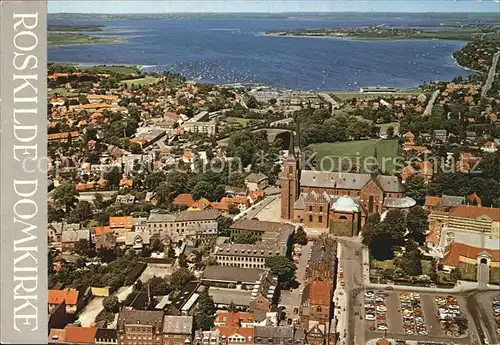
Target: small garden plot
x,y
413,316
453,322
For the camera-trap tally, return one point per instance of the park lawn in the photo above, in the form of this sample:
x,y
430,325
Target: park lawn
x,y
468,272
344,95
426,266
239,120
384,126
147,80
328,154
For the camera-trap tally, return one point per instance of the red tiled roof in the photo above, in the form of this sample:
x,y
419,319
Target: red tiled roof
x,y
232,331
454,251
201,204
234,319
468,211
183,199
99,231
121,222
63,135
432,201
320,292
57,335
70,297
80,335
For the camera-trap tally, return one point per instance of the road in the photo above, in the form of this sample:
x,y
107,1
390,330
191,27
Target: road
x,y
430,105
491,75
291,299
480,309
352,264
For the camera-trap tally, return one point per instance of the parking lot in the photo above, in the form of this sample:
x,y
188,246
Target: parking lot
x,y
409,315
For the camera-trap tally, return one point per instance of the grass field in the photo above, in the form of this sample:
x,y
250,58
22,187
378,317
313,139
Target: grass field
x,y
147,80
356,152
382,265
239,120
61,91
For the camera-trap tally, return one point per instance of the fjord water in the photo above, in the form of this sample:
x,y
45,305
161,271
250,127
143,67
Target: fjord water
x,y
234,50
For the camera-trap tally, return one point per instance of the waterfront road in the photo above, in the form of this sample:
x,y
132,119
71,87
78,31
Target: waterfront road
x,y
491,74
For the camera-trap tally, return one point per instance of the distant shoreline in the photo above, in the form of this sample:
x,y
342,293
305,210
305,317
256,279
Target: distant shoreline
x,y
363,38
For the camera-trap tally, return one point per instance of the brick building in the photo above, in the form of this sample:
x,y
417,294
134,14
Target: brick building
x,y
140,326
308,196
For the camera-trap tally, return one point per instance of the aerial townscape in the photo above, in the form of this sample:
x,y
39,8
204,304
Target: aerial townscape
x,y
184,212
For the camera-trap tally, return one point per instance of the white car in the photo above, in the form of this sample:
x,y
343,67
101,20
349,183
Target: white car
x,y
341,270
370,317
300,291
382,327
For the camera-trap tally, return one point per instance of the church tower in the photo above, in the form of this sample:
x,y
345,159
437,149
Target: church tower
x,y
289,182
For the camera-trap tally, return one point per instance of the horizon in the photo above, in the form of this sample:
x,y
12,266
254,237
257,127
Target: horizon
x,y
271,6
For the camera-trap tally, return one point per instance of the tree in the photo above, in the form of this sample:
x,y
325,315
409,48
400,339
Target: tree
x,y
111,304
378,238
82,212
300,236
157,286
433,271
183,260
417,223
180,278
233,209
154,179
98,201
232,308
246,238
394,225
113,177
203,189
65,196
54,214
411,262
157,245
138,286
82,247
390,132
224,226
283,268
455,274
135,148
415,188
204,318
236,179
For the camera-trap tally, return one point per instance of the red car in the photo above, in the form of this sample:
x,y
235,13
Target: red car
x,y
389,288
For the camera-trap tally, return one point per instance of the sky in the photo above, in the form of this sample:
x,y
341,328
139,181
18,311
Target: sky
x,y
173,6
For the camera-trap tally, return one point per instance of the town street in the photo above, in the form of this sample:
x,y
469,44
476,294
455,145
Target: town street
x,y
352,265
292,298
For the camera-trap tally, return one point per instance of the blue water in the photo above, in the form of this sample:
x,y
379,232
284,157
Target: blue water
x,y
234,50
